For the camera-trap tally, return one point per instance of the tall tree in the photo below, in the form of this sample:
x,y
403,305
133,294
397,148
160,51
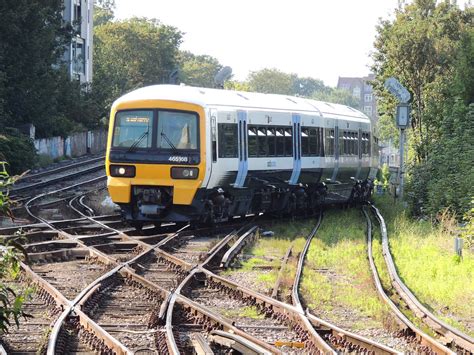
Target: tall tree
x,y
33,36
103,11
271,81
130,54
429,48
418,48
198,70
337,96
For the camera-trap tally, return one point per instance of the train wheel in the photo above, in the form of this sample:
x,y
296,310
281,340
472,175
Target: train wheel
x,y
137,225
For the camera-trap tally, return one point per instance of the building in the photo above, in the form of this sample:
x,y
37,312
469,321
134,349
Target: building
x,y
78,55
363,92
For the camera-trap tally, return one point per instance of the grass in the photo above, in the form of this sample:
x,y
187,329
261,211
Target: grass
x,y
247,312
271,250
337,272
424,256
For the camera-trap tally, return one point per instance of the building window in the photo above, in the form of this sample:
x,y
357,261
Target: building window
x,y
367,87
368,110
356,92
78,57
368,97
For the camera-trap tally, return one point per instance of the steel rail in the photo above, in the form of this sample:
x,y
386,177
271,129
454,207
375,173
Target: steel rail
x,y
341,337
454,335
299,270
62,168
346,338
423,338
323,345
15,190
99,332
245,239
89,290
244,340
282,270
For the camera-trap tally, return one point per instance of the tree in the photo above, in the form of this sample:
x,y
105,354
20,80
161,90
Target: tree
x,y
130,54
418,48
306,87
337,96
271,81
33,40
198,70
428,47
103,11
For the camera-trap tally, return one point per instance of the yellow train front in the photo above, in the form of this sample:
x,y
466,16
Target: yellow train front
x,y
155,158
179,153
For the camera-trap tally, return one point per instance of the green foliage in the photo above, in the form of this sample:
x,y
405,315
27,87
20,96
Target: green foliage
x,y
18,150
429,48
103,11
11,253
130,54
198,70
337,96
271,81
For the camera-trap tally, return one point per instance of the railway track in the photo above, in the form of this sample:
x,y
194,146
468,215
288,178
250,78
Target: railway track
x,y
449,340
105,288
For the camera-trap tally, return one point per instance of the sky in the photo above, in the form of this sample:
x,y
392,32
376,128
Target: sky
x,y
323,39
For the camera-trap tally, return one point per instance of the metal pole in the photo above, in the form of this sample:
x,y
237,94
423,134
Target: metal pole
x,y
400,171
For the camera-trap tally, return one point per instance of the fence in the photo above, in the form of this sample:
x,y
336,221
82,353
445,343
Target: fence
x,y
78,144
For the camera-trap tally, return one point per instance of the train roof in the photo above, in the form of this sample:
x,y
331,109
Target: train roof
x,y
241,99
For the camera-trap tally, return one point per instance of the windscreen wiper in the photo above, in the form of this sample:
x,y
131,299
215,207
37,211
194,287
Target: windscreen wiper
x,y
137,142
175,150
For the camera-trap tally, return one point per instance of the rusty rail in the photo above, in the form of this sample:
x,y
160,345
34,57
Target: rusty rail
x,y
425,341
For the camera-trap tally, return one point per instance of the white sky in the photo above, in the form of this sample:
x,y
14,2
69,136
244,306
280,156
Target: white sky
x,y
323,39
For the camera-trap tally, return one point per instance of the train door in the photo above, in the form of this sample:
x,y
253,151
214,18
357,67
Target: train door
x,y
296,149
211,142
243,153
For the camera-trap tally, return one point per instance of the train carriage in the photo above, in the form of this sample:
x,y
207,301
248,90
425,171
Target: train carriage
x,y
179,153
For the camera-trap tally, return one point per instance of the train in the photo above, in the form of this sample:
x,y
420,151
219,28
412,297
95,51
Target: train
x,y
179,153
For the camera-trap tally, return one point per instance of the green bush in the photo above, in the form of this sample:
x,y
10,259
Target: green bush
x,y
18,150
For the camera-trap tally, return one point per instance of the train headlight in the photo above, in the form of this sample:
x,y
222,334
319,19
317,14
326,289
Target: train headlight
x,y
184,173
122,170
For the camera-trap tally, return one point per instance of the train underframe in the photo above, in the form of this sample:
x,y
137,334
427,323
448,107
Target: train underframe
x,y
154,203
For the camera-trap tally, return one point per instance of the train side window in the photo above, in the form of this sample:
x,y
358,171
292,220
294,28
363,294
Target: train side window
x,y
271,139
280,142
305,141
262,142
252,143
227,140
288,142
329,142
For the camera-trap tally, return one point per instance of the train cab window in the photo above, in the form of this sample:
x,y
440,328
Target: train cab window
x,y
177,130
329,142
133,128
288,142
252,141
228,137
